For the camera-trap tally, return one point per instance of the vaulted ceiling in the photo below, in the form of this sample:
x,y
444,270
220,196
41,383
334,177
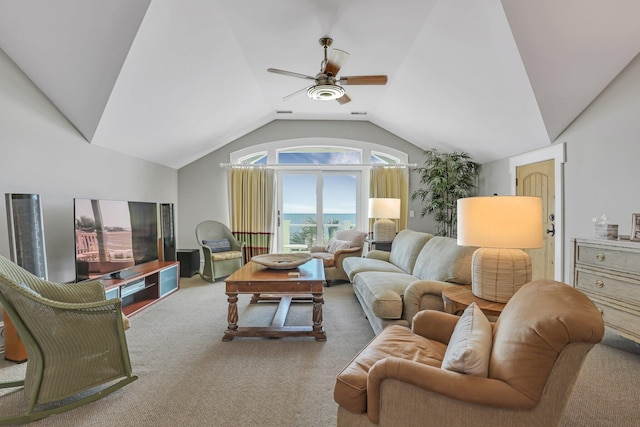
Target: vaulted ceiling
x,y
172,80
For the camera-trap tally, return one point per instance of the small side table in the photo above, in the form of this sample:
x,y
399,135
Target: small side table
x,y
189,262
457,298
380,246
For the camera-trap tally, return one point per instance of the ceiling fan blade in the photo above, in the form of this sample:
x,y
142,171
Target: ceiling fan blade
x,y
290,73
336,60
363,80
343,99
298,92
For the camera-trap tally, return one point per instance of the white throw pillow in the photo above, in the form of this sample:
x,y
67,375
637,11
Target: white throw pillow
x,y
335,245
469,348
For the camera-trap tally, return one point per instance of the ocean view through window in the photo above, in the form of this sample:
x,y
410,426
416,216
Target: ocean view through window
x,y
322,186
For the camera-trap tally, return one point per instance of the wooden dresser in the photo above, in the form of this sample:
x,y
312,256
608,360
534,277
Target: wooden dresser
x,y
608,271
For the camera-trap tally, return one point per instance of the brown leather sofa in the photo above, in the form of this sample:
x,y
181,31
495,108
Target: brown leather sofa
x,y
346,243
538,346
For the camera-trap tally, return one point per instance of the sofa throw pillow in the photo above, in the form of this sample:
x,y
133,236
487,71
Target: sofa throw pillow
x,y
335,245
469,348
220,245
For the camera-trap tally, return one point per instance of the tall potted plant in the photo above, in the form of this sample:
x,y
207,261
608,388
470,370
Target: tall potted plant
x,y
445,178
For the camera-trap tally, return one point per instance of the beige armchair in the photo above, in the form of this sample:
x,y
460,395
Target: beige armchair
x,y
222,251
75,342
535,353
346,243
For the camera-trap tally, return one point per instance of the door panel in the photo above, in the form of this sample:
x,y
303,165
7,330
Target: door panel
x,y
538,179
307,199
298,213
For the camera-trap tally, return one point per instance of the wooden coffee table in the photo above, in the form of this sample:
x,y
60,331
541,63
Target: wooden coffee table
x,y
277,285
457,298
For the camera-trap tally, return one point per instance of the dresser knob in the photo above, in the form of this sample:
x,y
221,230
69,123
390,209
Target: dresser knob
x,y
600,257
600,283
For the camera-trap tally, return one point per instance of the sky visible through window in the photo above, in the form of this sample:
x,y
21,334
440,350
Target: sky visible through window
x,y
339,194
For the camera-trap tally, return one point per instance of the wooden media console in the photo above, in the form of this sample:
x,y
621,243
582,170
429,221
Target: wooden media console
x,y
146,283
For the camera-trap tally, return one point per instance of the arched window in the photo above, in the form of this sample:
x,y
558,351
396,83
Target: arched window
x,y
322,185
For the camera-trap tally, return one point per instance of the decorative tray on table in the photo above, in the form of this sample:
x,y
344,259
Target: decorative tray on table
x,y
282,261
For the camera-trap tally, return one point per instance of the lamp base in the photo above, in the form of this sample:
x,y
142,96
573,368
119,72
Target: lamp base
x,y
384,230
498,273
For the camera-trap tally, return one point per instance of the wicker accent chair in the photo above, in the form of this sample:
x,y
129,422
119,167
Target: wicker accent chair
x,y
74,338
534,351
219,261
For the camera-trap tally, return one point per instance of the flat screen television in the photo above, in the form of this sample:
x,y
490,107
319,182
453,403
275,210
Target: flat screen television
x,y
113,235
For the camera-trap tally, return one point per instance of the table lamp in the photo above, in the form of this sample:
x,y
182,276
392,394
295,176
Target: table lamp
x,y
384,209
501,226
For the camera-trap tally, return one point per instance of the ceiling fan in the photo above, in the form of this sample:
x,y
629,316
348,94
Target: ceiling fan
x,y
328,86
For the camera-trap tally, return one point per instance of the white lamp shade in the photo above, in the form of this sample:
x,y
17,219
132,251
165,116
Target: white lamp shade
x,y
386,208
513,222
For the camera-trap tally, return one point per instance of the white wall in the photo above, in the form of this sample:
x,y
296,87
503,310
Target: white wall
x,y
43,153
202,185
603,154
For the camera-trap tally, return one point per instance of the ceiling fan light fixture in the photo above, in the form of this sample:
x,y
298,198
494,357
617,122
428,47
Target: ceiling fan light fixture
x,y
325,92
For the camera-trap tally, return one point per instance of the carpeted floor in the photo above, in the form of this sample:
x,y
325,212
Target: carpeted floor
x,y
189,377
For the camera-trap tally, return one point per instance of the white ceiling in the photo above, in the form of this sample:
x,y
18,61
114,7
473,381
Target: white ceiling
x,y
172,80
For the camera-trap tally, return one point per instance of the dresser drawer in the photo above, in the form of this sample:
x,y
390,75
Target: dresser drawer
x,y
615,287
617,259
622,321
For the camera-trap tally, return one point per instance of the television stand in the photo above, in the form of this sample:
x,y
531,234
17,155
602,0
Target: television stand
x,y
123,274
143,285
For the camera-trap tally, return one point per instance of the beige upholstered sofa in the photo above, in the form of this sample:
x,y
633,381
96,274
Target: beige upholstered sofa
x,y
533,356
346,243
393,286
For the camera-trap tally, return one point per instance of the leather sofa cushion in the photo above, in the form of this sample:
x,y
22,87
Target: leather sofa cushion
x,y
443,260
383,292
350,390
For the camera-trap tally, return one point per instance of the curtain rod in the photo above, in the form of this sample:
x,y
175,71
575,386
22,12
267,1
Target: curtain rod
x,y
317,165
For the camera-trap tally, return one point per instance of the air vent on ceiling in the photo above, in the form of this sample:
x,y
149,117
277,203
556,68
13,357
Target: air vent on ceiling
x,y
284,112
358,113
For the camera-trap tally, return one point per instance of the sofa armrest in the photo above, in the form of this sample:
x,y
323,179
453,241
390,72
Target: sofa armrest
x,y
347,252
340,255
377,254
434,325
429,379
423,295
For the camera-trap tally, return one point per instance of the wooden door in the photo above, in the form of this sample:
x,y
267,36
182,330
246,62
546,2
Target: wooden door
x,y
538,179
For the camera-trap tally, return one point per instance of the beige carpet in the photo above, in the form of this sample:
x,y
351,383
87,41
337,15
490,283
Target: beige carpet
x,y
189,377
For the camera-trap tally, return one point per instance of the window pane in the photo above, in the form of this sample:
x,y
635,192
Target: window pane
x,y
339,204
299,217
320,156
382,159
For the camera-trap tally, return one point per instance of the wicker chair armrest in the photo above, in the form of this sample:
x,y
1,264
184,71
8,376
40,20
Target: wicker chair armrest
x,y
103,305
236,245
206,252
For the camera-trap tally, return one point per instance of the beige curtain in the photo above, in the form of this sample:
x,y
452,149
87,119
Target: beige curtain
x,y
391,182
251,196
